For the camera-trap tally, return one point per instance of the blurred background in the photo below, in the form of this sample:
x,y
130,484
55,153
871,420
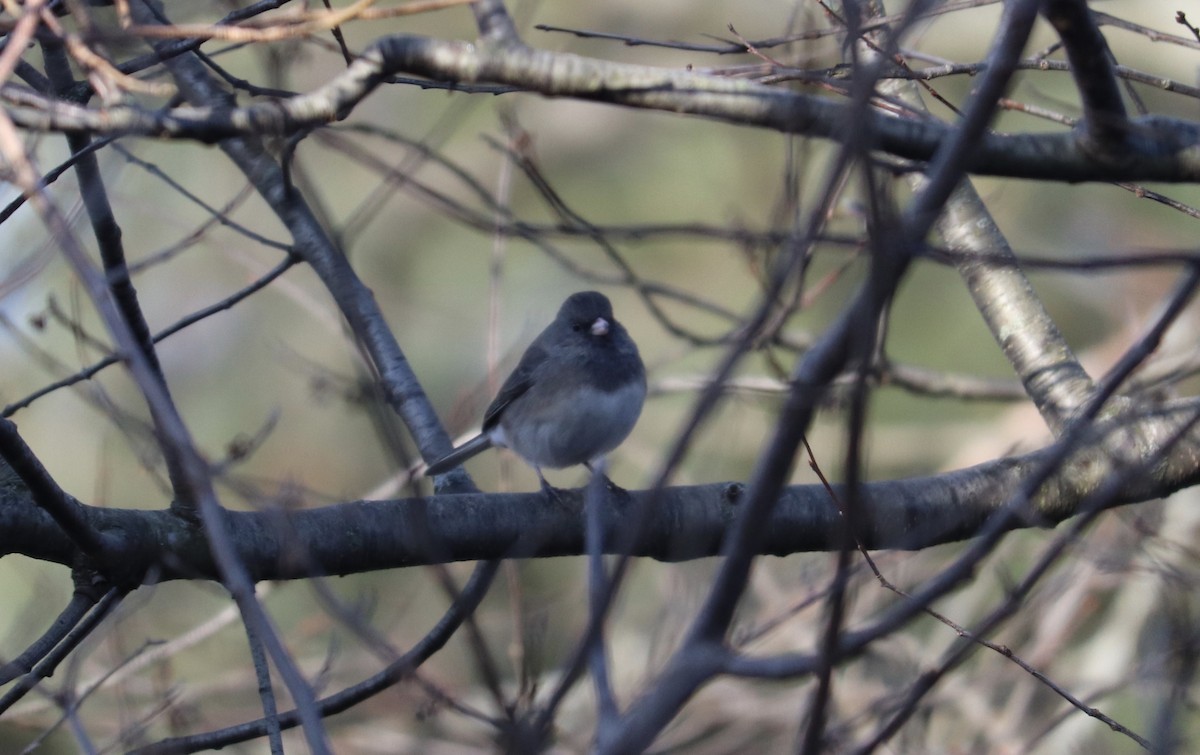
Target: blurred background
x,y
412,185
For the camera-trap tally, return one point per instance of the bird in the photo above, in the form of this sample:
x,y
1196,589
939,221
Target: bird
x,y
574,396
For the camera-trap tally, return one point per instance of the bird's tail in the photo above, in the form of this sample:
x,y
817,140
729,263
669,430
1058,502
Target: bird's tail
x,y
451,460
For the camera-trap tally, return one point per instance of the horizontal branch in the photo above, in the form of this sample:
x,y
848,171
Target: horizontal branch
x,y
1157,148
683,522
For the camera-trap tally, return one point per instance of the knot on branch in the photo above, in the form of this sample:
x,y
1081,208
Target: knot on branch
x,y
1141,141
1108,141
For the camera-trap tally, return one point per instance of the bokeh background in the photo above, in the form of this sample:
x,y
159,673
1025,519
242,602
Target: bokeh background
x,y
464,301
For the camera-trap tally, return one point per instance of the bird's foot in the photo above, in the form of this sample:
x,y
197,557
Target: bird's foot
x,y
617,494
556,495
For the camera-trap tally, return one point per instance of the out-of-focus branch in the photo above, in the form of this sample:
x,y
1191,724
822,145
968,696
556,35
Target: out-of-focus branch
x,y
495,25
312,244
107,232
47,665
1031,341
846,342
1156,148
919,381
357,304
459,611
92,370
1105,126
71,616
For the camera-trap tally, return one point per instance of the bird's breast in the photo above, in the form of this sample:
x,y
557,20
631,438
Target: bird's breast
x,y
574,428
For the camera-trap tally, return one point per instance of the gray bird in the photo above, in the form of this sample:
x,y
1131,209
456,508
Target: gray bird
x,y
574,396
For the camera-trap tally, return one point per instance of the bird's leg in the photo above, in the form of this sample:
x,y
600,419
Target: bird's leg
x,y
551,492
599,466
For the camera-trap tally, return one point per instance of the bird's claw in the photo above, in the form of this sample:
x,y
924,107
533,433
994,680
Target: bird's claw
x,y
553,493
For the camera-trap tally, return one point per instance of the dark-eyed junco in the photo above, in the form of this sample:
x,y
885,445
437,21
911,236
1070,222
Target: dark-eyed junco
x,y
574,396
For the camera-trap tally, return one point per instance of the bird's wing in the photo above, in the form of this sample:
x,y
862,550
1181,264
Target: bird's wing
x,y
516,385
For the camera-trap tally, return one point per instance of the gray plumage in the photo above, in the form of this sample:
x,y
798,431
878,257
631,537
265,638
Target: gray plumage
x,y
574,396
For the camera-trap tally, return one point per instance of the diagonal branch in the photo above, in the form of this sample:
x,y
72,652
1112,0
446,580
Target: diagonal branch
x,y
67,513
1030,339
81,603
691,666
81,630
462,608
312,244
107,233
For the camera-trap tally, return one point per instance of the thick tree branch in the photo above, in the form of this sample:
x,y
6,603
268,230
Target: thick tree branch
x,y
1041,357
1030,339
1155,149
24,476
685,523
